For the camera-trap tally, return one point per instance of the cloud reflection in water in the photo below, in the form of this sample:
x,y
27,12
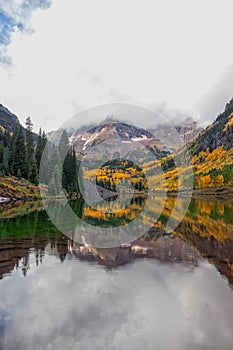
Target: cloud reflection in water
x,y
146,304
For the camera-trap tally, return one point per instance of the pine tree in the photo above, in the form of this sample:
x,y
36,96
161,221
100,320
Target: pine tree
x,y
19,176
33,171
12,157
29,143
44,164
44,169
20,156
44,140
55,182
64,145
80,177
52,187
65,151
5,160
39,150
73,180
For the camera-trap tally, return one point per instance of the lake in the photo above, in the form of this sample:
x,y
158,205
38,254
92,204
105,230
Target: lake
x,y
162,291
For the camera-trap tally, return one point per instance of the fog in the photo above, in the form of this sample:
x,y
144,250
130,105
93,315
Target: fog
x,y
122,112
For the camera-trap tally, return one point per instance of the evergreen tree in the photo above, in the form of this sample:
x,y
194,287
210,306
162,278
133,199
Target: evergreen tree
x,y
79,177
21,156
39,149
55,183
64,145
33,171
52,187
58,179
65,152
73,172
44,160
29,143
5,160
19,162
12,156
44,169
44,140
19,176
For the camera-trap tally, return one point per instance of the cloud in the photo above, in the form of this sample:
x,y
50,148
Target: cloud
x,y
78,305
15,16
152,53
214,101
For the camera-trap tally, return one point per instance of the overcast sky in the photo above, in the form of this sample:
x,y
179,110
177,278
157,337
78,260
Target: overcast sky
x,y
59,57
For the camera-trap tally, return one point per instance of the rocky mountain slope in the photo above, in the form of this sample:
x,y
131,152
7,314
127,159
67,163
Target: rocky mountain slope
x,y
187,130
124,132
211,156
212,152
218,134
107,141
8,120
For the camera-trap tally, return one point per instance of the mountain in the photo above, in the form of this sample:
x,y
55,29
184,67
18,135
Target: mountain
x,y
20,154
186,130
109,130
121,159
211,154
218,134
138,144
8,120
211,151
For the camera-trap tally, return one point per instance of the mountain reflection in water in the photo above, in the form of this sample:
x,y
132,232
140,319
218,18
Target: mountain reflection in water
x,y
77,297
205,232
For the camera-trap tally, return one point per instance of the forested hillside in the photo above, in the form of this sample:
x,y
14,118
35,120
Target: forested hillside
x,y
20,154
211,156
20,157
212,152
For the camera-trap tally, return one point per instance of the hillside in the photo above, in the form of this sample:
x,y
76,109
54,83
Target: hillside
x,y
8,120
218,134
13,188
212,156
211,160
212,152
113,130
138,144
20,152
186,130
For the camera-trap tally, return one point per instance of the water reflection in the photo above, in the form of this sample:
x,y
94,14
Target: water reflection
x,y
142,305
80,297
14,252
206,231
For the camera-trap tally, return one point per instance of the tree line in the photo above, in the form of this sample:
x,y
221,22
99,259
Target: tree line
x,y
21,153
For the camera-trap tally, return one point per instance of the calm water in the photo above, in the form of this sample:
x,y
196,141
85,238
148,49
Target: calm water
x,y
165,291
